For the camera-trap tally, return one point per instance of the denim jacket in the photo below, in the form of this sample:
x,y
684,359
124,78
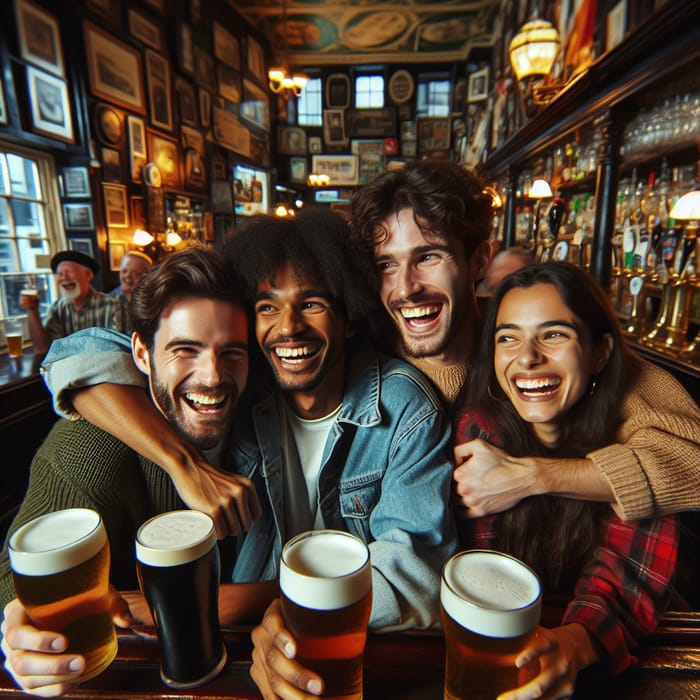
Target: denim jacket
x,y
385,474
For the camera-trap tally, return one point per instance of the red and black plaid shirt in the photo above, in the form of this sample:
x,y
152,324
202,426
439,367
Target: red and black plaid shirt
x,y
625,587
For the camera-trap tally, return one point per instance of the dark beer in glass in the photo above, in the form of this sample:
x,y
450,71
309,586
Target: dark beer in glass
x,y
326,585
178,569
490,604
60,567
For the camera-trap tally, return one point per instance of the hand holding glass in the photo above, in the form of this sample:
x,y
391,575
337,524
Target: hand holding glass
x,y
326,585
60,567
491,605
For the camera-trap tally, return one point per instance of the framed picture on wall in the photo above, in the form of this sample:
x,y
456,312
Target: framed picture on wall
x,y
82,245
165,154
341,169
78,217
39,37
50,105
117,250
144,30
297,169
137,147
255,60
227,47
75,183
337,91
291,141
478,85
116,206
159,103
114,69
187,102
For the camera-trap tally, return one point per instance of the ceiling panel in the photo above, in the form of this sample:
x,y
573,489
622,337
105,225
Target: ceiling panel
x,y
358,32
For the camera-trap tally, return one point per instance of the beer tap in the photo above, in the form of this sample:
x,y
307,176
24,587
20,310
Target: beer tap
x,y
555,216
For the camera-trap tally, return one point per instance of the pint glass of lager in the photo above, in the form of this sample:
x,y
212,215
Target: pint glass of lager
x,y
60,567
326,585
490,606
178,567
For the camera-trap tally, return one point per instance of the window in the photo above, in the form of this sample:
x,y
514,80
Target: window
x,y
433,97
309,104
31,230
369,92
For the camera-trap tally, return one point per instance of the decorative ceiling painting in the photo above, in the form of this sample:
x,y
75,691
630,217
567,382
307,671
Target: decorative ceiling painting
x,y
356,32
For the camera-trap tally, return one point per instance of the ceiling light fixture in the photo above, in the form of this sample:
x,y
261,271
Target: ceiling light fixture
x,y
280,79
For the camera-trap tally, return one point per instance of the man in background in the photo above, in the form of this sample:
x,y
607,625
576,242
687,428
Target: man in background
x,y
80,306
133,266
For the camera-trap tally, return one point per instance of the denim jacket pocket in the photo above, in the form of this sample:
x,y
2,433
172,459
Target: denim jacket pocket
x,y
359,495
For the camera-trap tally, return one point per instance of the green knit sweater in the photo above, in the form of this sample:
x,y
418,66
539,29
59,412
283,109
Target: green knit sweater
x,y
79,465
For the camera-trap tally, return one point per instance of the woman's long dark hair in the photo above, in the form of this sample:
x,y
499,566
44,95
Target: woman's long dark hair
x,y
555,536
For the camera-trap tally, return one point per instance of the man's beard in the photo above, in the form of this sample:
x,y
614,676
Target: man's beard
x,y
70,294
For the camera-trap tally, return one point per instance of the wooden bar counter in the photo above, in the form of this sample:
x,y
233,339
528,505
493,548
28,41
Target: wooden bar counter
x,y
400,667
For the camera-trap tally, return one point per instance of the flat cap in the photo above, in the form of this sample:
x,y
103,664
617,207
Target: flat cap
x,y
77,257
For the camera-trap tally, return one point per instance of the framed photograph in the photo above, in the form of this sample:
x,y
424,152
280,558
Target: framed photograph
x,y
111,165
165,154
50,105
291,141
187,102
401,87
159,104
78,217
116,206
228,129
315,145
298,170
109,125
616,25
229,81
138,155
194,159
433,134
337,91
204,71
255,60
478,89
185,48
341,169
144,30
138,211
370,158
204,107
117,250
255,106
82,245
114,69
75,183
334,127
227,47
39,37
370,123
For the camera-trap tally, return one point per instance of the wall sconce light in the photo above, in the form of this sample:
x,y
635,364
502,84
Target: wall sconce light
x,y
158,245
318,180
142,238
281,82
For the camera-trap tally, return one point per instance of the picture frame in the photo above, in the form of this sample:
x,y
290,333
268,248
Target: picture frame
x,y
433,134
478,89
204,107
138,155
109,125
334,133
370,123
39,37
138,211
147,32
185,48
194,159
114,69
298,168
337,91
255,105
255,59
165,154
340,168
615,25
50,105
401,87
204,69
116,205
75,183
291,141
117,250
187,102
370,156
229,83
78,217
229,132
315,145
111,165
159,94
227,47
82,245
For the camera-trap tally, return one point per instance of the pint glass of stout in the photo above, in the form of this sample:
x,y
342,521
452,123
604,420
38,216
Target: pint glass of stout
x,y
178,567
60,567
490,606
326,585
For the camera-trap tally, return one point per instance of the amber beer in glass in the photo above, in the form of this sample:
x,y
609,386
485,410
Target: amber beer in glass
x,y
490,604
326,585
60,567
178,567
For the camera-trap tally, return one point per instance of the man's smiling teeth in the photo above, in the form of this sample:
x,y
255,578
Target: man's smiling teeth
x,y
205,399
294,352
419,311
537,384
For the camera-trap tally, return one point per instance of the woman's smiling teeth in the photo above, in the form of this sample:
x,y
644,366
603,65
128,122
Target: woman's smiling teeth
x,y
537,385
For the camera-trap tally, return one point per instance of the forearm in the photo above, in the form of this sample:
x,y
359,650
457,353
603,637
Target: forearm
x,y
571,478
37,332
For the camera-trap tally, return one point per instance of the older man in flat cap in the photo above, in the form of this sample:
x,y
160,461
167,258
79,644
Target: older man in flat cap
x,y
80,306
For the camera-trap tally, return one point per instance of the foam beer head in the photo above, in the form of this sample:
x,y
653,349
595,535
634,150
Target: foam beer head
x,y
56,542
491,594
325,569
175,538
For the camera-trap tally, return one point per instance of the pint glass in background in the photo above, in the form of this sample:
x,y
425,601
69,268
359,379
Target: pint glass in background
x,y
490,604
326,586
178,567
60,567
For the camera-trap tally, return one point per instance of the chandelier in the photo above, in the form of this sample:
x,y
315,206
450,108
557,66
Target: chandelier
x,y
280,79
